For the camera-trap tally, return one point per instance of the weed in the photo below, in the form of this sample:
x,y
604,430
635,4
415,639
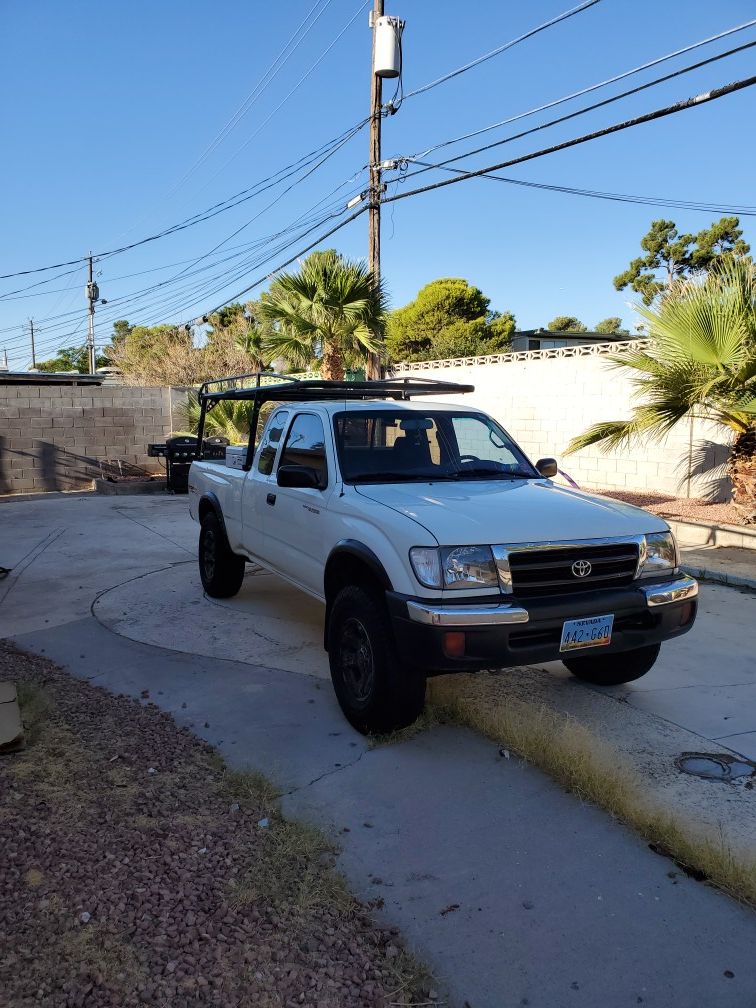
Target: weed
x,y
590,769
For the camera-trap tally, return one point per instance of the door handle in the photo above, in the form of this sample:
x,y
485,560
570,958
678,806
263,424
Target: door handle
x,y
271,499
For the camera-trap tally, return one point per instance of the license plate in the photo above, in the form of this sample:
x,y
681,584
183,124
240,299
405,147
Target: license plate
x,y
593,631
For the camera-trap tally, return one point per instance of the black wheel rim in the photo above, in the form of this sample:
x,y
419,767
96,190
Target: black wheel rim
x,y
208,554
357,661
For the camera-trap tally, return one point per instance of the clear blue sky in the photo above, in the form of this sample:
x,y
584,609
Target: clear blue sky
x,y
107,105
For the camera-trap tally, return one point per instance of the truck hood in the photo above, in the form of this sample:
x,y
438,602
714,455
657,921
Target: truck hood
x,y
490,512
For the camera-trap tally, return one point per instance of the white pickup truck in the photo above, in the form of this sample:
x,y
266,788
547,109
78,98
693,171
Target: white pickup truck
x,y
434,542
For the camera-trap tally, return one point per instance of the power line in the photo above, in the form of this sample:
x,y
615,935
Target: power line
x,y
302,162
660,201
581,111
205,287
135,296
680,106
258,89
296,87
507,45
594,87
288,262
300,252
132,296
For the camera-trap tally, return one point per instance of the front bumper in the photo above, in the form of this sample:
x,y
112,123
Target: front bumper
x,y
500,634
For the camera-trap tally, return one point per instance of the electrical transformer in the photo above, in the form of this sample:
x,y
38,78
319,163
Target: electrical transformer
x,y
387,61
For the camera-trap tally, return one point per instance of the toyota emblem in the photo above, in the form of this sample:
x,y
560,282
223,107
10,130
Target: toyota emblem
x,y
581,568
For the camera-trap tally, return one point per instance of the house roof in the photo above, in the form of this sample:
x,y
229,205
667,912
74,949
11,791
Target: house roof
x,y
48,378
577,337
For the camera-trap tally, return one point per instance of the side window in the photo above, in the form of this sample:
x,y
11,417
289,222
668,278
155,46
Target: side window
x,y
270,442
305,445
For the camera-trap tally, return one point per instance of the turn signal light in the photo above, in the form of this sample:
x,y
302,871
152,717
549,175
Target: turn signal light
x,y
454,644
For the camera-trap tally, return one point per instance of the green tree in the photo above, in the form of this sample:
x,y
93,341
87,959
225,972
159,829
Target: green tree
x,y
332,310
71,359
566,323
703,358
612,326
671,255
722,240
448,318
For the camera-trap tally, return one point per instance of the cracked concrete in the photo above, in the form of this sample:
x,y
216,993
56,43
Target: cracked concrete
x,y
513,891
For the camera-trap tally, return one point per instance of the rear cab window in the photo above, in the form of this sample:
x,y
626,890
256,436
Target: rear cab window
x,y
271,441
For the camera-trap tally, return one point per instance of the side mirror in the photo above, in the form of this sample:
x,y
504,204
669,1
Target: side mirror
x,y
300,477
547,467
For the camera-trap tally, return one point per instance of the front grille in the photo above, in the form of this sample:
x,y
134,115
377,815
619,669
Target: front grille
x,y
537,572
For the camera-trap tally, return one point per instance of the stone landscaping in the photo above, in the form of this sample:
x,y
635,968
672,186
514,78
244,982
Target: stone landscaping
x,y
137,870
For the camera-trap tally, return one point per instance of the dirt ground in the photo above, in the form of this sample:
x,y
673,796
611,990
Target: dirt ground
x,y
137,870
679,507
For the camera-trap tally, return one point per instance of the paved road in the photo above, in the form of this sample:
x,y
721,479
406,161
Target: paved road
x,y
514,892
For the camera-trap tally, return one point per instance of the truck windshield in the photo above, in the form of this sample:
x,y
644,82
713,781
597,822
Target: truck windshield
x,y
387,446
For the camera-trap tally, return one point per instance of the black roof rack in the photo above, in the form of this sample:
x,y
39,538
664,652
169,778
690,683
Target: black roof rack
x,y
262,386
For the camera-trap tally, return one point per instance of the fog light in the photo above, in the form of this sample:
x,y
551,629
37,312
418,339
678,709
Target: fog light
x,y
454,644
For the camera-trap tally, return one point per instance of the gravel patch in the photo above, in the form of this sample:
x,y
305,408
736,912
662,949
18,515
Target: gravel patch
x,y
678,507
137,870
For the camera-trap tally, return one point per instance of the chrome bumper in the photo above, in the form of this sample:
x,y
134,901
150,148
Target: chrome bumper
x,y
458,616
683,587
663,593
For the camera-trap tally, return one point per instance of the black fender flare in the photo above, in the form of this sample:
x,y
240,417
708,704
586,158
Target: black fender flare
x,y
363,553
212,499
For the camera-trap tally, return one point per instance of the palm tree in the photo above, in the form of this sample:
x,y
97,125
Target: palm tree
x,y
332,309
228,418
702,358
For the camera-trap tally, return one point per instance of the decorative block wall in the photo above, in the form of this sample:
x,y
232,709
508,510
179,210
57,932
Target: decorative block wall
x,y
52,437
544,399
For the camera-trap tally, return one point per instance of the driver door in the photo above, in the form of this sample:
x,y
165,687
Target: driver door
x,y
295,516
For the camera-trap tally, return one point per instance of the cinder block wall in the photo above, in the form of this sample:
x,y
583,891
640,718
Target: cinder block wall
x,y
53,437
544,403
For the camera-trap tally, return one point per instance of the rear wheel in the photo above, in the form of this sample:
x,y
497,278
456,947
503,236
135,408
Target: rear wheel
x,y
221,570
376,692
613,669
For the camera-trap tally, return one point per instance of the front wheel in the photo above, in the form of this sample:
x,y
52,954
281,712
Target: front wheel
x,y
221,570
613,669
376,692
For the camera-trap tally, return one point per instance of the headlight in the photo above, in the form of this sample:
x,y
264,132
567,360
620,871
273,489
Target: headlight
x,y
660,553
455,567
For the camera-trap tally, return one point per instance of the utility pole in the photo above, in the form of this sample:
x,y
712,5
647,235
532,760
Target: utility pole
x,y
93,294
374,188
31,335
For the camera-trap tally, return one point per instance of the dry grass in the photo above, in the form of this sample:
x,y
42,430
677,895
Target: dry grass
x,y
589,768
294,866
409,975
99,953
54,758
86,752
250,788
428,719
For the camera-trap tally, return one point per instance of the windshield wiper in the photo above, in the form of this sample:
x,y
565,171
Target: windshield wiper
x,y
400,477
477,471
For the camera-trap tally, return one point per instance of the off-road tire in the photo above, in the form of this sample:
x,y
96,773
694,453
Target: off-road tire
x,y
221,570
613,669
376,692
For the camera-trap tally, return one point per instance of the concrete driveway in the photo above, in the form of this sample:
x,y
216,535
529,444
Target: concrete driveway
x,y
513,891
